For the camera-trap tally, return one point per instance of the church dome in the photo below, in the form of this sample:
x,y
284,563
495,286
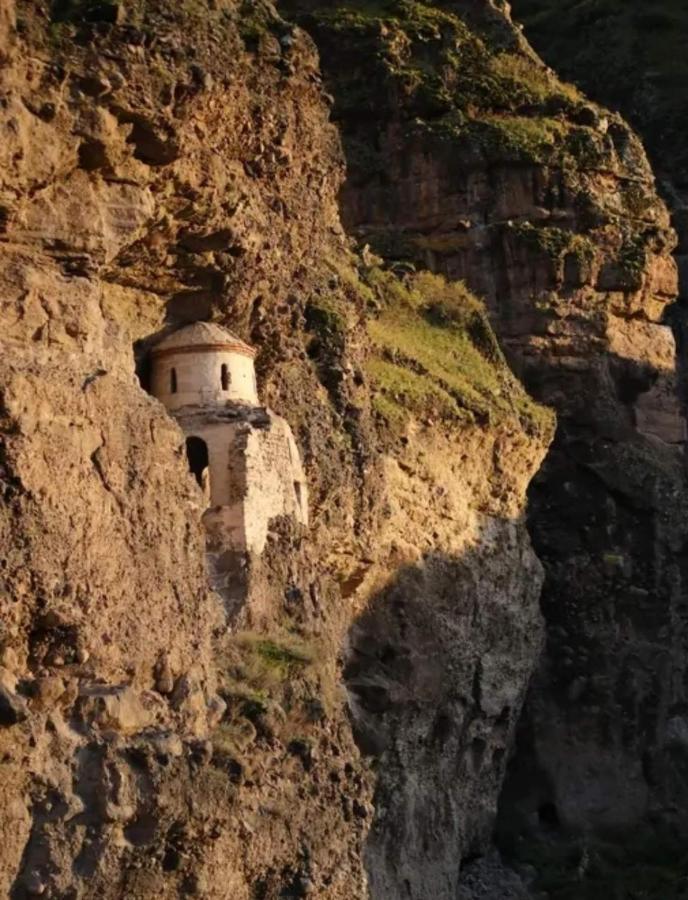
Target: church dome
x,y
203,336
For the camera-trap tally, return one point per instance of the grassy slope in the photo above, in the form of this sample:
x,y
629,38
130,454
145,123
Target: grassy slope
x,y
488,101
432,352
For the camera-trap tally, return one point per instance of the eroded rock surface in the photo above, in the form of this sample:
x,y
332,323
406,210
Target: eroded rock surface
x,y
344,731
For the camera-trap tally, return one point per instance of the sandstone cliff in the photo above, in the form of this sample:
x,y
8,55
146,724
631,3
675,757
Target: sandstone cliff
x,y
341,727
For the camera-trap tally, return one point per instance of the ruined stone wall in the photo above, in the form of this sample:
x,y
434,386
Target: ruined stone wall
x,y
254,471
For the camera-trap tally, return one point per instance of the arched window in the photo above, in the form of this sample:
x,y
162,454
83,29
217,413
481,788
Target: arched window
x,y
197,455
224,376
173,381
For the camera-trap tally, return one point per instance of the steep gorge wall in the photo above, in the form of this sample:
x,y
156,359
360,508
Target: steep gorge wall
x,y
348,734
468,156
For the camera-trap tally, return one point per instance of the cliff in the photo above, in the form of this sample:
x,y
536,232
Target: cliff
x,y
468,156
334,183
165,165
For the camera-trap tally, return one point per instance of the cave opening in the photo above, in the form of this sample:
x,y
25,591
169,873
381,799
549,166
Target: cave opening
x,y
548,815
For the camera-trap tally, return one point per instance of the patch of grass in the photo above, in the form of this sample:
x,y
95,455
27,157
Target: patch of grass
x,y
435,356
533,83
283,658
232,738
501,137
528,139
403,391
261,663
275,678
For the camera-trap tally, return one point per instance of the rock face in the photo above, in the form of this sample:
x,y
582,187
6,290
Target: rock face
x,y
438,662
167,163
468,156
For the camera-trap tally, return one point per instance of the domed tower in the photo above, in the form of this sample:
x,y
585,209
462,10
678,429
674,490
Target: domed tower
x,y
243,456
203,365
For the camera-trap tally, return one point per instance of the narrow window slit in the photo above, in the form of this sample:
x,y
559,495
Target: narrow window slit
x,y
173,381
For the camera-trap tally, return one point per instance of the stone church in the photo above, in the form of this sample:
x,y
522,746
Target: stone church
x,y
242,455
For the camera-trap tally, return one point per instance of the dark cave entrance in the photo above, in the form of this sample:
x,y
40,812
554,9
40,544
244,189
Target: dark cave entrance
x,y
197,456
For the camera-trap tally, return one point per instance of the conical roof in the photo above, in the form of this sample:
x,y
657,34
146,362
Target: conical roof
x,y
203,336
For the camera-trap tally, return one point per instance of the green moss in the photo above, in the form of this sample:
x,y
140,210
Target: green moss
x,y
438,63
555,242
419,19
632,260
587,149
254,21
499,138
637,199
326,316
518,137
534,83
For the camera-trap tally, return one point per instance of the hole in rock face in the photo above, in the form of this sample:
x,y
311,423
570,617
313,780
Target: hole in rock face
x,y
92,155
141,831
53,644
299,495
174,847
197,456
478,747
547,815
